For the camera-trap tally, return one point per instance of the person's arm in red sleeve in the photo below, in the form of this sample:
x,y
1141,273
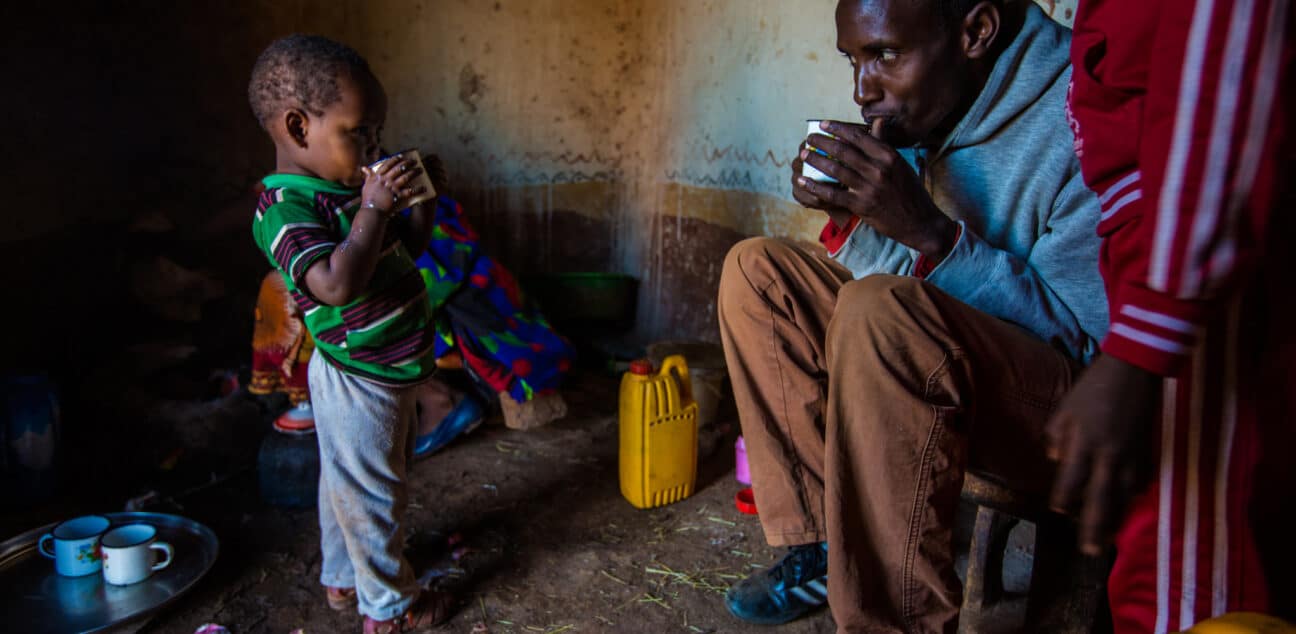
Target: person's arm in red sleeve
x,y
1213,118
924,265
834,235
1183,226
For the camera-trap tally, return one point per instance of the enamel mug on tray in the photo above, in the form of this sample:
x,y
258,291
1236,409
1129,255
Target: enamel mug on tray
x,y
75,545
129,554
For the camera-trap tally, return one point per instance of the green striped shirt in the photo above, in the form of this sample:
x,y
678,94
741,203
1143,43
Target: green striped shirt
x,y
387,334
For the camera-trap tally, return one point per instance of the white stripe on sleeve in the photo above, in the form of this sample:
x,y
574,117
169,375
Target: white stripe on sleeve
x,y
1181,143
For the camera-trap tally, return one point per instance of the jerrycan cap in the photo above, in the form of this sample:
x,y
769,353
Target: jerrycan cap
x,y
642,367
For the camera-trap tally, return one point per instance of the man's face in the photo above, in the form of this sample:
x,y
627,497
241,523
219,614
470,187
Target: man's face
x,y
907,68
346,137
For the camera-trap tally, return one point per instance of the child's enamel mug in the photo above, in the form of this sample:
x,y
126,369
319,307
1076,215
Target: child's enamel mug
x,y
429,192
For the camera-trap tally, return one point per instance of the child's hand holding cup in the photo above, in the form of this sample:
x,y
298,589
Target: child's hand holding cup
x,y
397,182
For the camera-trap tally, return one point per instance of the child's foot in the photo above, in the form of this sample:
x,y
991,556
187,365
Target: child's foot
x,y
431,608
340,599
465,416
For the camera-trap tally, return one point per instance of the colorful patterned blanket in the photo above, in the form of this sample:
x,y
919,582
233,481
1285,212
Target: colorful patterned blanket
x,y
506,344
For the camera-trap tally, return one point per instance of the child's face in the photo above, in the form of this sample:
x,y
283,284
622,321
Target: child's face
x,y
346,137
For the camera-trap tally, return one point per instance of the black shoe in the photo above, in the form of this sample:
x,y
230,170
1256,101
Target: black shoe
x,y
795,585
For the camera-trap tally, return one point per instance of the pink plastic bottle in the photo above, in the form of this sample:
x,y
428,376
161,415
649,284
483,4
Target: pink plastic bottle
x,y
740,462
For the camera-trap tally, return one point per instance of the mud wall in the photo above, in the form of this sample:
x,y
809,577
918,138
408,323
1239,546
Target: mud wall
x,y
630,135
641,136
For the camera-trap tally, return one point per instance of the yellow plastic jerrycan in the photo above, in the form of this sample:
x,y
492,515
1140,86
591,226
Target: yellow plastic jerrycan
x,y
658,423
1242,623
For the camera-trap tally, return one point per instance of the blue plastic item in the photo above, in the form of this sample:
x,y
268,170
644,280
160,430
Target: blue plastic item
x,y
466,415
30,425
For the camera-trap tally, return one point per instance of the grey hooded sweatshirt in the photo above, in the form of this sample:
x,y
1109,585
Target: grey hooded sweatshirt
x,y
1028,252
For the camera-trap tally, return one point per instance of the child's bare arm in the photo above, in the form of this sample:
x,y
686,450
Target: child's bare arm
x,y
340,278
416,231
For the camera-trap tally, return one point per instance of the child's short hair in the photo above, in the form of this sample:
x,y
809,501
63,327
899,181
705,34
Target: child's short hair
x,y
300,71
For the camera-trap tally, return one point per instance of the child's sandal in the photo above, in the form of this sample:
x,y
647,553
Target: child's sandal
x,y
431,608
340,599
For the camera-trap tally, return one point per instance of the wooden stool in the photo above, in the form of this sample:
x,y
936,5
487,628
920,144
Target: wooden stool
x,y
1067,590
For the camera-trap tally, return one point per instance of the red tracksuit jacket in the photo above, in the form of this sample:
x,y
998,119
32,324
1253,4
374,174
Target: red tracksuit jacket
x,y
1182,120
1179,108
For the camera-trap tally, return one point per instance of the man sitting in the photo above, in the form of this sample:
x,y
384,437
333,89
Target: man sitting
x,y
960,299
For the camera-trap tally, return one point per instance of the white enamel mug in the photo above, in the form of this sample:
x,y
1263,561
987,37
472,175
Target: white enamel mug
x,y
424,179
129,554
807,170
75,545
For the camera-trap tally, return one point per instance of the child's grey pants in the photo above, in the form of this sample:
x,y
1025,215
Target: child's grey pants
x,y
366,433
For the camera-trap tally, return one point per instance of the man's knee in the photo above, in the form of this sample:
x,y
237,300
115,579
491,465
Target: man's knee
x,y
876,300
884,312
752,250
743,259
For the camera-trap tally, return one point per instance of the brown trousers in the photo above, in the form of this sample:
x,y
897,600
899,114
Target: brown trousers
x,y
862,403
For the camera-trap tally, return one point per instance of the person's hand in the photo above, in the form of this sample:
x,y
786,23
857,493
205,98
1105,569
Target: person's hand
x,y
838,215
1099,436
877,185
386,185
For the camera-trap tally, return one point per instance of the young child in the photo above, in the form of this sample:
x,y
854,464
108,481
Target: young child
x,y
331,227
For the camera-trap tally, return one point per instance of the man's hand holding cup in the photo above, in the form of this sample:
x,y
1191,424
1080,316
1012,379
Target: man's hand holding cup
x,y
873,182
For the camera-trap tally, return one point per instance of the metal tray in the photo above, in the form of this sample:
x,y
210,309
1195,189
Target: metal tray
x,y
35,599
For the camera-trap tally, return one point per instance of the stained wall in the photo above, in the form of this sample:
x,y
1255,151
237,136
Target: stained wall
x,y
632,135
640,136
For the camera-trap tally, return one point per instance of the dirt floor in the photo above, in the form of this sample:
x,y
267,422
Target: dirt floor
x,y
529,527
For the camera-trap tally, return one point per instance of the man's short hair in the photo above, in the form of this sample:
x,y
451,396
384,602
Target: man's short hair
x,y
952,12
300,71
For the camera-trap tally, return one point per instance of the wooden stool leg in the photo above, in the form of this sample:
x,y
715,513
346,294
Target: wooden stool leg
x,y
984,586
